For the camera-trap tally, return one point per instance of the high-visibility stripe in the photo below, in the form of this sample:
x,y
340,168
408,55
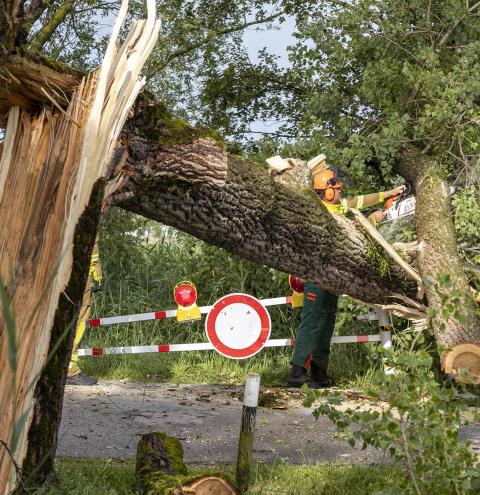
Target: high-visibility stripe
x,y
206,346
172,313
360,200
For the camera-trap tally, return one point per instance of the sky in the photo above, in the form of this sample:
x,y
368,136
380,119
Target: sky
x,y
275,40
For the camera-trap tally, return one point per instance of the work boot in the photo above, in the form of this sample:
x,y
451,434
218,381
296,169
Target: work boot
x,y
319,377
297,376
81,379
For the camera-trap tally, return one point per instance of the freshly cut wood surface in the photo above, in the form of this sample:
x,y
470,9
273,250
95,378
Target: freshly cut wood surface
x,y
463,358
210,485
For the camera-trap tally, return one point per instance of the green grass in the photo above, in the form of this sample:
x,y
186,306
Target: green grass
x,y
348,367
320,479
107,477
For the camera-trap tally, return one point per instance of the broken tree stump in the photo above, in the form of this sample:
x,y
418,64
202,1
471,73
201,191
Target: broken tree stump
x,y
161,471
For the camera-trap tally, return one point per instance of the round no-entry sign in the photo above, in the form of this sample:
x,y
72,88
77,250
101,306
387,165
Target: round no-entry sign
x,y
238,325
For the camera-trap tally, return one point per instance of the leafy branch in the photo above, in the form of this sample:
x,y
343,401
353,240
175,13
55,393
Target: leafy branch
x,y
207,39
42,36
454,26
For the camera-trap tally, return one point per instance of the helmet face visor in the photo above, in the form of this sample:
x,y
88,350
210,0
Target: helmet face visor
x,y
340,177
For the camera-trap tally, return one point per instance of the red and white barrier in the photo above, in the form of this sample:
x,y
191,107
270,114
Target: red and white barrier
x,y
227,311
171,313
207,346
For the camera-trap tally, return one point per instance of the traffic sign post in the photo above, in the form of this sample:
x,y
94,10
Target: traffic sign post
x,y
238,326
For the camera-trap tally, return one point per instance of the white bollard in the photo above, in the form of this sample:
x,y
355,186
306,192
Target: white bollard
x,y
245,443
385,337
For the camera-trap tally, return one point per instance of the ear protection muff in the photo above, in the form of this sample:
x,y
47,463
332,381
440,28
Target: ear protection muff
x,y
329,193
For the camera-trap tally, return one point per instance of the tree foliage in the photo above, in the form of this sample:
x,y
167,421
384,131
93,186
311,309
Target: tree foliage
x,y
366,78
416,421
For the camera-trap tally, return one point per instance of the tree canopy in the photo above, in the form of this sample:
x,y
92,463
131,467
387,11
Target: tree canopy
x,y
366,79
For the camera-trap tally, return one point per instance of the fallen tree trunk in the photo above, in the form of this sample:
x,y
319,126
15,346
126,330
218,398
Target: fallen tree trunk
x,y
183,177
160,470
455,323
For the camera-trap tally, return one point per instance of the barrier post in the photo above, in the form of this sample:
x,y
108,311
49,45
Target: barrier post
x,y
385,337
245,443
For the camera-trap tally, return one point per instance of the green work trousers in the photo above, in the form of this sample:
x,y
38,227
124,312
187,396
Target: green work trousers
x,y
316,329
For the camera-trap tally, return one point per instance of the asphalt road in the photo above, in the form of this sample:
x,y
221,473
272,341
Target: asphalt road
x,y
106,420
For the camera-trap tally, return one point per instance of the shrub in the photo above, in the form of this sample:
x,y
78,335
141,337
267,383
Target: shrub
x,y
414,419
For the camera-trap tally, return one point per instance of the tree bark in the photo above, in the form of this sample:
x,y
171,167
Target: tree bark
x,y
42,36
12,33
184,179
455,322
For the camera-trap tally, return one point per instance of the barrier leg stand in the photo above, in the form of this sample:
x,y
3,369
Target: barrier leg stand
x,y
385,337
245,443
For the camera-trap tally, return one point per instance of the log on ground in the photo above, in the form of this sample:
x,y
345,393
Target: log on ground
x,y
161,471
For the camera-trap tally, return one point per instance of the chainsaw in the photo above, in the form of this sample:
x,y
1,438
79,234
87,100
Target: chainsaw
x,y
400,206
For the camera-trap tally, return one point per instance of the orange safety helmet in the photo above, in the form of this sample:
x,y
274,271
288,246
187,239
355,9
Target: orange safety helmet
x,y
328,179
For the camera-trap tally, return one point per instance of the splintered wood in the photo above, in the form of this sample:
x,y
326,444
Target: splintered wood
x,y
39,162
49,164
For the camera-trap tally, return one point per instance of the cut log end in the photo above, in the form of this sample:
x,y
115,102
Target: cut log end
x,y
210,485
463,362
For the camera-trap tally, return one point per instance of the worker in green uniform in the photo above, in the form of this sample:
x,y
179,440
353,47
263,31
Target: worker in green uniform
x,y
312,345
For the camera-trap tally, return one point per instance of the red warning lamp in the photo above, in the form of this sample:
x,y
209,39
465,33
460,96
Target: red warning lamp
x,y
296,284
185,294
